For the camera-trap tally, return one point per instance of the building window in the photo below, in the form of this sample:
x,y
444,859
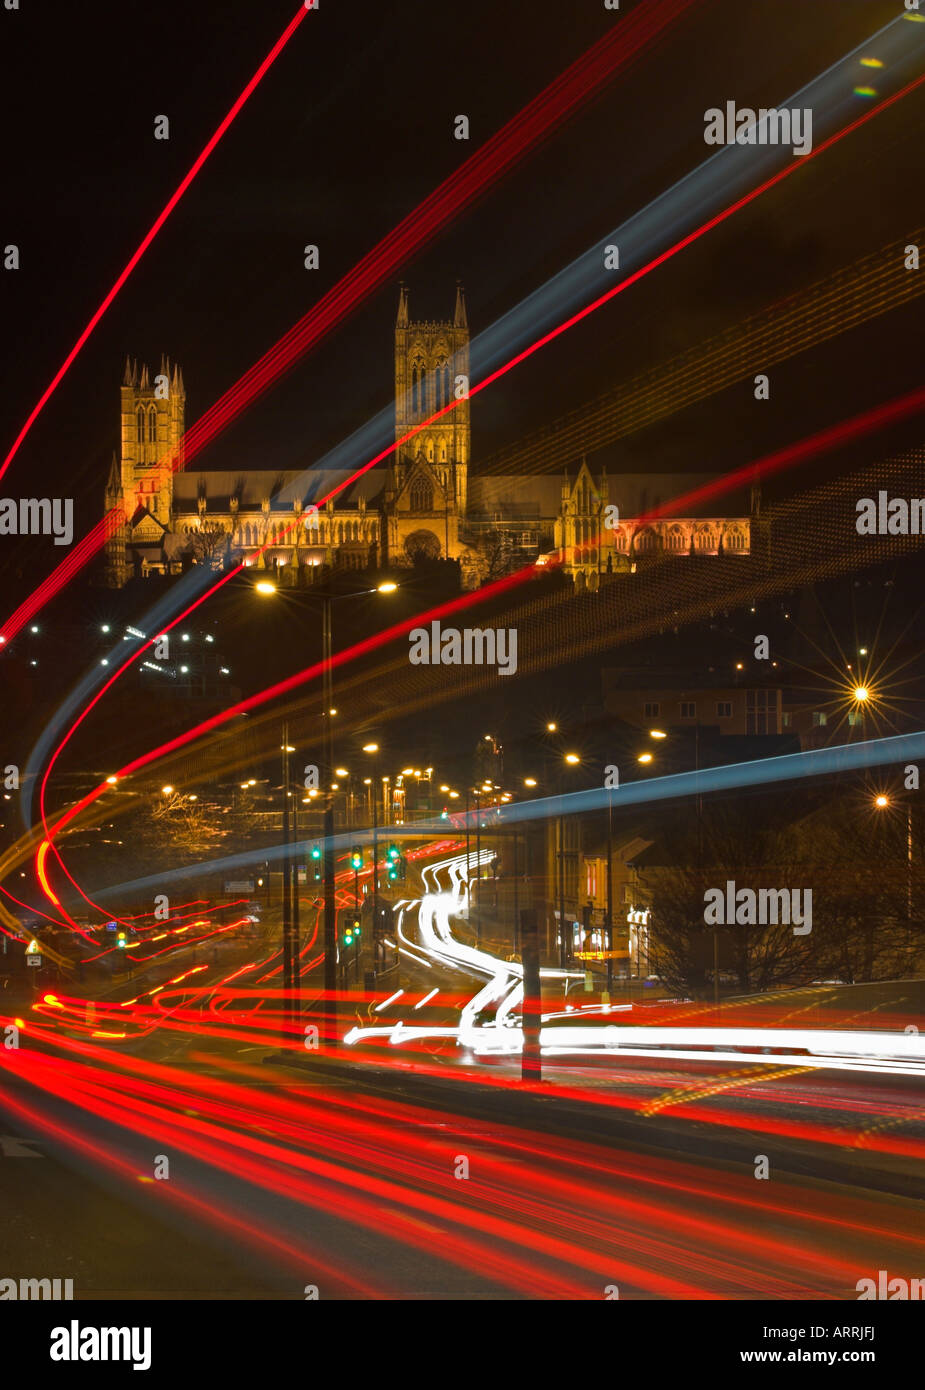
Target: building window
x,y
140,427
652,709
443,384
688,709
421,497
785,718
820,719
418,377
152,426
724,709
759,715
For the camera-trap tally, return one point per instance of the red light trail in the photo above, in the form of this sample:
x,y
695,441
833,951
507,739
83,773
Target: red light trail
x,y
563,97
464,601
156,226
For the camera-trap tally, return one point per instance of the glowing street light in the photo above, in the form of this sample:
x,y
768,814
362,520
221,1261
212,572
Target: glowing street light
x,y
657,733
386,587
167,791
861,694
265,587
370,748
644,758
572,758
529,781
881,801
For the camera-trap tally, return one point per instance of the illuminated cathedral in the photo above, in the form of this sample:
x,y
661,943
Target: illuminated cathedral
x,y
422,505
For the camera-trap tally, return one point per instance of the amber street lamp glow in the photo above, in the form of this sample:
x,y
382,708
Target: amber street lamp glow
x,y
644,758
881,801
572,758
265,586
861,693
657,733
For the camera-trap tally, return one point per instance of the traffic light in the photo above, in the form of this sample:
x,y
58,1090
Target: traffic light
x,y
397,869
444,814
316,851
356,858
316,857
120,941
393,853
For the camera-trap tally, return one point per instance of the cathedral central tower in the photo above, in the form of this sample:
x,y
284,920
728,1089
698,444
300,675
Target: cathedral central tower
x,y
429,357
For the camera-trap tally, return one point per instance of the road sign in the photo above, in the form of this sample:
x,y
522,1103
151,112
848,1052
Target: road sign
x,y
601,955
33,960
33,948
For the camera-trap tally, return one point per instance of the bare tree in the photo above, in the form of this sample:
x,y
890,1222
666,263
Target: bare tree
x,y
210,543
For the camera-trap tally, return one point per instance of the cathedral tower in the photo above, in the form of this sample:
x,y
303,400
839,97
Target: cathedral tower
x,y
429,357
153,420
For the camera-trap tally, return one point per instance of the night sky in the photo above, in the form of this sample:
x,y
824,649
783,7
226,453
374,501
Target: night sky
x,y
350,129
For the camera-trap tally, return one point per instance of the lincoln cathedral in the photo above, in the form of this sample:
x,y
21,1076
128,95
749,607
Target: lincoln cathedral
x,y
423,505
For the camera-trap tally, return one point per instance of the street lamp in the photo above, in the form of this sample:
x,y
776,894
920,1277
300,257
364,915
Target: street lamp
x,y
882,803
330,908
373,784
573,760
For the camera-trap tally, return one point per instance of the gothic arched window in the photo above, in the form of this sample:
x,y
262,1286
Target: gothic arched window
x,y
443,384
152,426
140,426
418,377
421,497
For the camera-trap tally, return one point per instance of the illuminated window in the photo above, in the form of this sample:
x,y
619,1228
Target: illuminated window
x,y
421,497
140,426
152,426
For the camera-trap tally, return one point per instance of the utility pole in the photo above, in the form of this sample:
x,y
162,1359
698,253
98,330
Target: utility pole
x,y
478,868
330,910
287,887
531,1062
563,946
294,972
608,932
378,953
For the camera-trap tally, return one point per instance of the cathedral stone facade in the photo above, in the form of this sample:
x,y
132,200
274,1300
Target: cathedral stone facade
x,y
422,504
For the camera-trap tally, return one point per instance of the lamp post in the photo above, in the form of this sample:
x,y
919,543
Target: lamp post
x,y
288,1006
266,587
373,748
882,802
573,760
